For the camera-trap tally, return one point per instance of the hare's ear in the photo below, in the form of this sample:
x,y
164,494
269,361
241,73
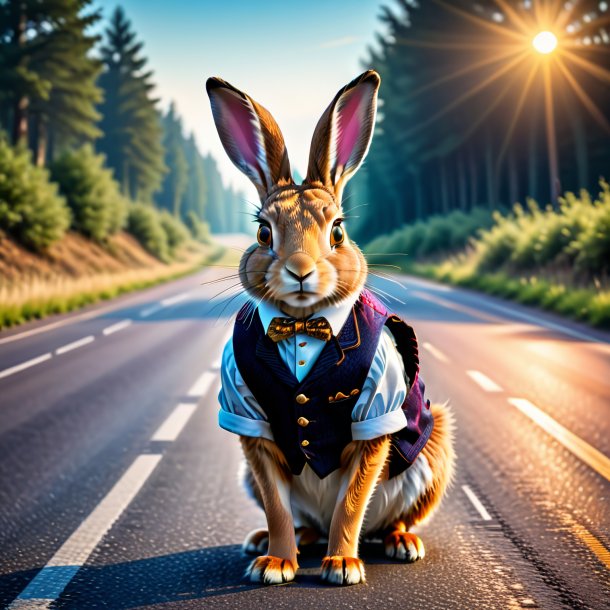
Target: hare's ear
x,y
344,132
250,136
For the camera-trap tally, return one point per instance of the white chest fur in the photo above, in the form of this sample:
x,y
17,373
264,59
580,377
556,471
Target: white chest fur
x,y
313,500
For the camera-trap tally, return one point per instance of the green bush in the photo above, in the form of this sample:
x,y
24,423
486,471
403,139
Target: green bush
x,y
593,243
199,229
177,233
31,210
144,224
98,208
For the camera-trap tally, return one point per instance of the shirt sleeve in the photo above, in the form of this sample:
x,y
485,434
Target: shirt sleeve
x,y
240,412
378,410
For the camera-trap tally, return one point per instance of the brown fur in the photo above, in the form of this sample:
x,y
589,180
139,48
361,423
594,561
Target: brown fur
x,y
301,218
269,468
302,269
362,466
441,457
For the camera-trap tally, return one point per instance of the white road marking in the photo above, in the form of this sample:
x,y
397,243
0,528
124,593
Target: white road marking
x,y
49,583
457,307
508,311
25,365
435,352
484,381
74,345
170,429
115,328
178,298
476,503
149,311
581,449
202,385
570,332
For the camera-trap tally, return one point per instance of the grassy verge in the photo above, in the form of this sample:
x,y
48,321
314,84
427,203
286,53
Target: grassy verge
x,y
587,304
40,297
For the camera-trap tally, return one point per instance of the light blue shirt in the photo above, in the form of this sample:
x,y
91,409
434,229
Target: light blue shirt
x,y
378,410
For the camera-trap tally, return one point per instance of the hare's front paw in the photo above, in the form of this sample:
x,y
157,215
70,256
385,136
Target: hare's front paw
x,y
256,542
404,546
271,570
338,570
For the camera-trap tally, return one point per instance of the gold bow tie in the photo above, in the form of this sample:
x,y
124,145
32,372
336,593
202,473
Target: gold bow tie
x,y
284,328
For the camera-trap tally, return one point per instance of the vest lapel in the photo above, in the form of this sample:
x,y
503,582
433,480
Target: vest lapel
x,y
266,350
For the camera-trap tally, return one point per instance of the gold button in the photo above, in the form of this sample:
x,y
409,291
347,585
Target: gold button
x,y
303,421
301,362
304,443
302,399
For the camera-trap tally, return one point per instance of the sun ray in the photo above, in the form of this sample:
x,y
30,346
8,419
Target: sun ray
x,y
585,99
516,114
492,27
564,15
468,94
550,131
514,16
597,71
446,46
463,72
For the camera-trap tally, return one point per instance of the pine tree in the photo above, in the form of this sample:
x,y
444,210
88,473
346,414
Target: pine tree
x,y
47,78
131,123
176,179
214,214
195,196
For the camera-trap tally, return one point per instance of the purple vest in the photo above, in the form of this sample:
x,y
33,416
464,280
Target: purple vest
x,y
311,419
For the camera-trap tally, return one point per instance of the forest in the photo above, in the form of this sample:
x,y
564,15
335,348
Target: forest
x,y
467,107
84,144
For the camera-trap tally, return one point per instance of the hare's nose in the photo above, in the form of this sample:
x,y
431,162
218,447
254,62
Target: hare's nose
x,y
300,265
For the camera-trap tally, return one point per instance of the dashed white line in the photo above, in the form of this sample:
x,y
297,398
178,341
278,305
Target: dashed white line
x,y
49,583
74,345
149,311
170,429
476,503
178,298
24,365
202,385
435,352
484,381
115,328
581,449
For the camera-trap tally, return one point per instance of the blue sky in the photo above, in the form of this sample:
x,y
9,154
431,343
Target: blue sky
x,y
291,57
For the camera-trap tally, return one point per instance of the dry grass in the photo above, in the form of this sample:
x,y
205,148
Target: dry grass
x,y
77,272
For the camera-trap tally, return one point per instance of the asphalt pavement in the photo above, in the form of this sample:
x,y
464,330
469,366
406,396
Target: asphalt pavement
x,y
118,490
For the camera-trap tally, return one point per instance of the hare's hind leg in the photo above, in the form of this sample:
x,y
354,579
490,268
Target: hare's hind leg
x,y
439,454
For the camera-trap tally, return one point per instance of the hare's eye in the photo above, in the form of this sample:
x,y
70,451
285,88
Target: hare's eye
x,y
337,235
264,235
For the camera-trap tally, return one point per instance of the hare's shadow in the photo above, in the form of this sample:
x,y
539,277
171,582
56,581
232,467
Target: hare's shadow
x,y
189,575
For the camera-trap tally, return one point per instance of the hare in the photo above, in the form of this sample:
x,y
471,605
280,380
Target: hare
x,y
320,381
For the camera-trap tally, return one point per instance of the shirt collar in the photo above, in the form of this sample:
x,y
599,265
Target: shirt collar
x,y
335,314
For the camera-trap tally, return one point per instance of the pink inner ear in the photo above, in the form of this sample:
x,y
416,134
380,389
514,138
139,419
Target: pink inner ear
x,y
238,123
350,125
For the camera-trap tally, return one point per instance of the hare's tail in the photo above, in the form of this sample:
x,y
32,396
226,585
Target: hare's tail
x,y
440,454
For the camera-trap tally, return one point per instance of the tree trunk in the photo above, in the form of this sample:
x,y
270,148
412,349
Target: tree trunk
x,y
582,150
490,174
41,144
20,108
474,179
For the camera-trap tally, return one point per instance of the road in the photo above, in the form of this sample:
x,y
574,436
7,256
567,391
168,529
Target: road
x,y
118,490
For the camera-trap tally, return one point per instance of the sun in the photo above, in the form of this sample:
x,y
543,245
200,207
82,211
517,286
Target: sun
x,y
545,42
